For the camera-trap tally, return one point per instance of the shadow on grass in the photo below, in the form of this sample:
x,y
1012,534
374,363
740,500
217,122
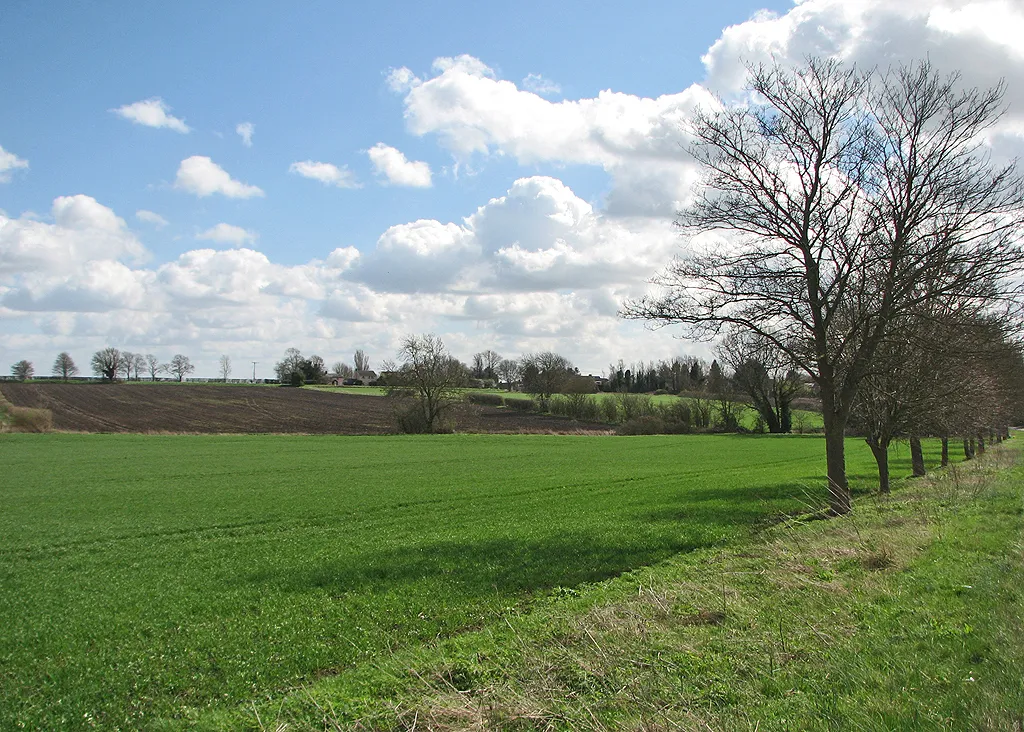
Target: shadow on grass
x,y
760,505
486,567
514,564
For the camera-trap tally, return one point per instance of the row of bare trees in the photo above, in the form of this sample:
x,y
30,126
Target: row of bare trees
x,y
863,217
943,376
111,363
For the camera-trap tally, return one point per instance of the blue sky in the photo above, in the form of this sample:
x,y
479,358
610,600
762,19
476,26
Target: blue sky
x,y
543,200
311,78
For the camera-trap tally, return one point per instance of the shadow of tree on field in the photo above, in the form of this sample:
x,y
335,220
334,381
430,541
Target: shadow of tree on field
x,y
760,505
531,559
484,567
545,557
513,565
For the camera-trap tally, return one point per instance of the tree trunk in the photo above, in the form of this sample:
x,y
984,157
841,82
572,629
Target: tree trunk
x,y
882,460
981,443
945,451
786,419
835,460
916,457
971,442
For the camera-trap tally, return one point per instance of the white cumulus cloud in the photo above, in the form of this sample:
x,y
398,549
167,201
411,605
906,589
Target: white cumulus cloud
x,y
402,79
151,217
327,173
397,169
540,85
8,162
245,130
83,229
641,142
539,236
152,112
203,177
228,234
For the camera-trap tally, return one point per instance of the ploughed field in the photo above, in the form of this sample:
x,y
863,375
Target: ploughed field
x,y
172,581
210,408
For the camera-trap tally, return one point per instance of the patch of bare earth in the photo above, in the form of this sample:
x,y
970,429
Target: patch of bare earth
x,y
208,408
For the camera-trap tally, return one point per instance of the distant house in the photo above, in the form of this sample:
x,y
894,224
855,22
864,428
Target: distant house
x,y
599,381
361,378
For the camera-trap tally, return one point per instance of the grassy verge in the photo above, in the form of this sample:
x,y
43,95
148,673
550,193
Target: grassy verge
x,y
906,615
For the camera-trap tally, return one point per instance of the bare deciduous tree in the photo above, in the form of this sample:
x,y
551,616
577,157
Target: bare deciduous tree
x,y
341,370
853,200
138,363
428,377
107,363
125,365
290,364
225,367
64,366
23,370
485,364
153,365
360,360
180,367
545,373
764,374
508,371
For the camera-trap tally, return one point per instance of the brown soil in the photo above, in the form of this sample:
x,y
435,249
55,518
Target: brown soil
x,y
96,407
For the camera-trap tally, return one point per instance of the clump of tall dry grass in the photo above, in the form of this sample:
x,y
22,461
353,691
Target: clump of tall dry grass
x,y
23,419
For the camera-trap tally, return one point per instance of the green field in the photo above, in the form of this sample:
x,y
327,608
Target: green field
x,y
182,578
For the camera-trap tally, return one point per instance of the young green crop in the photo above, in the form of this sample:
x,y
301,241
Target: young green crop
x,y
169,577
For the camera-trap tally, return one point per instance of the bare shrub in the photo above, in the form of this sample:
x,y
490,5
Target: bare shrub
x,y
610,410
577,406
409,415
491,400
632,406
677,413
523,405
645,425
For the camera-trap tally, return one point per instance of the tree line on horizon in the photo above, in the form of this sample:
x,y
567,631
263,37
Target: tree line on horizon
x,y
110,364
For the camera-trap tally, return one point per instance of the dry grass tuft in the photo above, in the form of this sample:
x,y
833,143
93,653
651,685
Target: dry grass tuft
x,y
704,617
880,559
24,419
